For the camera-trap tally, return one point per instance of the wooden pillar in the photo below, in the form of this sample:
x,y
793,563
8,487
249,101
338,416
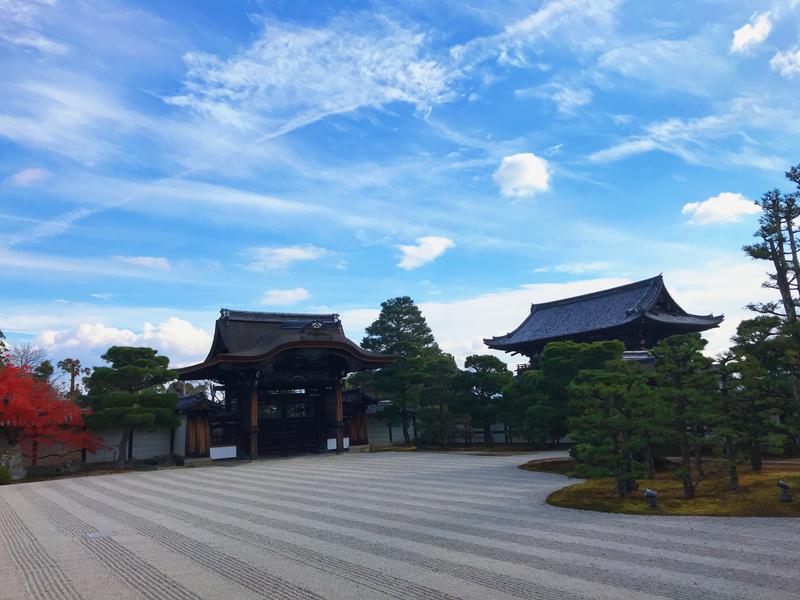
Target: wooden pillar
x,y
254,422
339,417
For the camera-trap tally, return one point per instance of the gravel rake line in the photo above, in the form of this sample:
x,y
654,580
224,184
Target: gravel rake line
x,y
137,574
366,576
683,546
640,526
255,580
43,577
647,583
502,583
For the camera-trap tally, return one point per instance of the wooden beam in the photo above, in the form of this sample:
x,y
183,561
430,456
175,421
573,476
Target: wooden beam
x,y
339,416
254,422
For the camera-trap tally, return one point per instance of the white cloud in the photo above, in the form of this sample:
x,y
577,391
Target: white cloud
x,y
751,34
292,76
424,251
522,175
148,262
266,258
727,207
719,286
284,297
176,338
787,63
102,296
29,176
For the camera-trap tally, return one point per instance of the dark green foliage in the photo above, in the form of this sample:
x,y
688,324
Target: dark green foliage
x,y
435,416
402,331
44,371
3,349
762,389
481,385
549,410
5,476
686,381
617,415
129,394
524,408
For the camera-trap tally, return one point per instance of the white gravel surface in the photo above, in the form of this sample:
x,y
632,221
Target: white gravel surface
x,y
369,526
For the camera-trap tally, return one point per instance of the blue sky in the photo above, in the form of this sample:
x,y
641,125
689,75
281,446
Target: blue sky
x,y
162,160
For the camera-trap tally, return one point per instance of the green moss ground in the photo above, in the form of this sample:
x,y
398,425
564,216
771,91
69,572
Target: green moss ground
x,y
757,495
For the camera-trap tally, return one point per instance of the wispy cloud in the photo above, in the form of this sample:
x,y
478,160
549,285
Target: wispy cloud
x,y
148,262
787,63
284,297
269,258
697,141
19,26
292,76
575,268
29,176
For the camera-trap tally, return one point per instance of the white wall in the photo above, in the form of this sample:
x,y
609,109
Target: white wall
x,y
146,444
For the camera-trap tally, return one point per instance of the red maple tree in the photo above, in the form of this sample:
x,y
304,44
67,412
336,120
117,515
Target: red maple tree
x,y
34,414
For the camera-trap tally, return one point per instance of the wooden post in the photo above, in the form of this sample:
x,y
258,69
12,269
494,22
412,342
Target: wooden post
x,y
254,422
339,417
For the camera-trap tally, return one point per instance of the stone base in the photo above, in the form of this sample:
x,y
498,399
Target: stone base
x,y
11,459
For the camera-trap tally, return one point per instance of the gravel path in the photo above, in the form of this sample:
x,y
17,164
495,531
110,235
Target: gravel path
x,y
425,526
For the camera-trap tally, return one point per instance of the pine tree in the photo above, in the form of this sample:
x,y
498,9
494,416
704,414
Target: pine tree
x,y
129,394
685,380
3,350
559,364
481,385
402,331
616,417
436,417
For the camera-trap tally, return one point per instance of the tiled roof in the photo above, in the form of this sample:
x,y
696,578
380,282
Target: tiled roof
x,y
605,309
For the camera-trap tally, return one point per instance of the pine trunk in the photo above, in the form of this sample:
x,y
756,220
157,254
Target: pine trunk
x,y
755,455
122,453
488,438
686,463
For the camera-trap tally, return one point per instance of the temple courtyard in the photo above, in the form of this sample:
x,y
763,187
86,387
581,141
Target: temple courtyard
x,y
371,526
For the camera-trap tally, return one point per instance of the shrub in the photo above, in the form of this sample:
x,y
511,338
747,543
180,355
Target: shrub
x,y
5,476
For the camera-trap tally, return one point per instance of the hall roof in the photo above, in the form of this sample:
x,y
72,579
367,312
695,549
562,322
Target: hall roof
x,y
606,309
248,337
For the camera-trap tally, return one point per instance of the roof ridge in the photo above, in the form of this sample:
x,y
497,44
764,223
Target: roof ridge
x,y
253,315
598,294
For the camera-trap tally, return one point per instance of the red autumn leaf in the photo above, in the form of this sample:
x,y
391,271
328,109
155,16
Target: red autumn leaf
x,y
33,411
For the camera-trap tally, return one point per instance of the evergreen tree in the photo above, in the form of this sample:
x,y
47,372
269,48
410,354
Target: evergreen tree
x,y
44,371
129,393
779,246
560,363
615,417
523,399
764,386
73,369
402,331
481,385
686,381
436,418
3,350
